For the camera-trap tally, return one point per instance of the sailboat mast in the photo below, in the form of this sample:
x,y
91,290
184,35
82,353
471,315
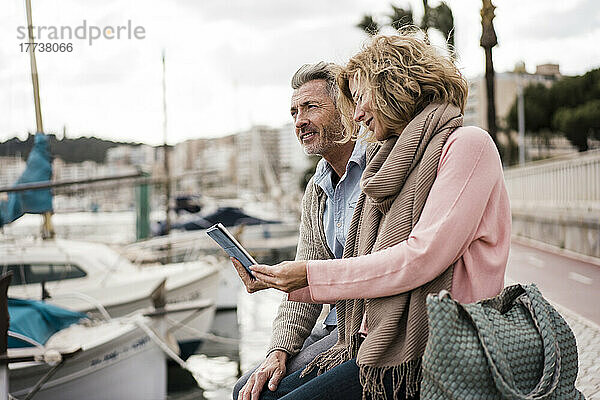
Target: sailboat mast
x,y
166,150
34,73
47,228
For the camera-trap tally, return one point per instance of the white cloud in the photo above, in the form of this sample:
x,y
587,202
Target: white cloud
x,y
229,62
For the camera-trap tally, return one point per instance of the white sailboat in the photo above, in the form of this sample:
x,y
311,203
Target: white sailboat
x,y
268,243
110,360
121,358
81,275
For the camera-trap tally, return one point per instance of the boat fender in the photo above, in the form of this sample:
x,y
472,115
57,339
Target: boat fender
x,y
51,357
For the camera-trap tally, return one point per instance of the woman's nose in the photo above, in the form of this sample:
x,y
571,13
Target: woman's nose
x,y
359,113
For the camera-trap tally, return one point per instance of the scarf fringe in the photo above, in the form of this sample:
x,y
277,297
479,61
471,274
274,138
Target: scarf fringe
x,y
326,360
333,357
409,373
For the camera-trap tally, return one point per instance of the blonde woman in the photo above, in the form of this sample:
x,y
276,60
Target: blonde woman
x,y
433,214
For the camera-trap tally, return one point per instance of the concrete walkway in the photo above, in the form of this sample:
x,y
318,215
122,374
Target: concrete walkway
x,y
572,283
588,345
573,287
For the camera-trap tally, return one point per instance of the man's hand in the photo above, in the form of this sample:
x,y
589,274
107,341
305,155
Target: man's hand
x,y
272,370
252,285
286,276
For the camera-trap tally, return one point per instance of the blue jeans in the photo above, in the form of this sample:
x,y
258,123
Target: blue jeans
x,y
339,383
320,339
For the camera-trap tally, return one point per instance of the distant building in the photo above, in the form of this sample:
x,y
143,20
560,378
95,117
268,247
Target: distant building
x,y
12,168
105,196
258,159
217,161
506,88
293,160
140,155
63,171
505,91
204,164
548,70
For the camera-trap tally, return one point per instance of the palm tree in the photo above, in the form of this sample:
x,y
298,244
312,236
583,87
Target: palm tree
x,y
439,18
400,17
488,41
443,20
369,25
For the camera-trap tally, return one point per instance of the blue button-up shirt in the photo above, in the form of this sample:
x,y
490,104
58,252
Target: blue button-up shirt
x,y
340,203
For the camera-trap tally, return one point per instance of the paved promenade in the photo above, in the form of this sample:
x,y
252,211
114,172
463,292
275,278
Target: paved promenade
x,y
572,286
588,344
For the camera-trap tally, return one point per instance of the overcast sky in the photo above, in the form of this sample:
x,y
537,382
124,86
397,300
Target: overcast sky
x,y
229,62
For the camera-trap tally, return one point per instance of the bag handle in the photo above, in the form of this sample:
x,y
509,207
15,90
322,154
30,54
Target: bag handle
x,y
501,373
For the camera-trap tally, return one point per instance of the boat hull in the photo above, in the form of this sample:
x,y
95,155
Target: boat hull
x,y
187,327
190,327
131,366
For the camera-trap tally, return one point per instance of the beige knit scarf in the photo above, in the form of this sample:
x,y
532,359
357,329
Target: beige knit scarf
x,y
395,186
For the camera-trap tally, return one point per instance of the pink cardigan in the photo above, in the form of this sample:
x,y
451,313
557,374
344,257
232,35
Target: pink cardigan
x,y
466,220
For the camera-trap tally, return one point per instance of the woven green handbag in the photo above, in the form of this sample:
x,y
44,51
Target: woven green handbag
x,y
512,346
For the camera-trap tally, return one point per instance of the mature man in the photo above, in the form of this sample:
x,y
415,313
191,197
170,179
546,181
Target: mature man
x,y
327,209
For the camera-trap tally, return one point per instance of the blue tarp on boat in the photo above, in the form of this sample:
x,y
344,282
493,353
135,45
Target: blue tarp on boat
x,y
37,320
39,169
228,216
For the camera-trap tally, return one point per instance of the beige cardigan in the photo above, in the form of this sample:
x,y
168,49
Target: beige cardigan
x,y
295,320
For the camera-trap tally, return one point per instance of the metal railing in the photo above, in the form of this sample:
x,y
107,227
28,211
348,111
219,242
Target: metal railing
x,y
570,182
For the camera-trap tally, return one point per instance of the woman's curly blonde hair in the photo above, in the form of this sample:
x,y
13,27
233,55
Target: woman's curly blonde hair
x,y
402,74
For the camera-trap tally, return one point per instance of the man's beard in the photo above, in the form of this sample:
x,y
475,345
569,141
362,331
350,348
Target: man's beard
x,y
328,139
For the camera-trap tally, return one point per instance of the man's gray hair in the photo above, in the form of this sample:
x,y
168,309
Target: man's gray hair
x,y
321,70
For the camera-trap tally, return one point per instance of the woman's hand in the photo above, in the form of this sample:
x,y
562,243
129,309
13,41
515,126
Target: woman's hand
x,y
286,276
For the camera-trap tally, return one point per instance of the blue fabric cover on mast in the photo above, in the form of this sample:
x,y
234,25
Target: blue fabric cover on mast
x,y
39,169
37,320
